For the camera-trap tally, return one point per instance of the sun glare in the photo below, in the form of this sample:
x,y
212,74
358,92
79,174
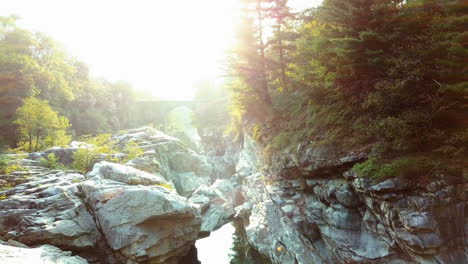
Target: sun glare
x,y
161,47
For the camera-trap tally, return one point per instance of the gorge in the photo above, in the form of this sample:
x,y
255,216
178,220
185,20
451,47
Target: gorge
x,y
234,131
307,206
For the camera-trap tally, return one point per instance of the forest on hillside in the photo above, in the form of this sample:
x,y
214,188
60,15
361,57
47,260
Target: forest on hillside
x,y
32,65
384,77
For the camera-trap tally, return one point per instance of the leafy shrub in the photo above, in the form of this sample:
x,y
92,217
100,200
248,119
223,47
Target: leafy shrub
x,y
132,150
51,162
84,158
257,132
11,168
8,165
4,160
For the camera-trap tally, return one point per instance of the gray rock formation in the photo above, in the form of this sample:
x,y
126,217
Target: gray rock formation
x,y
48,209
216,203
139,218
306,208
133,213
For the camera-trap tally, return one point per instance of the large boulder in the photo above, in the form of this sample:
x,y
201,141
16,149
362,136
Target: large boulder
x,y
217,204
188,182
164,154
124,174
144,221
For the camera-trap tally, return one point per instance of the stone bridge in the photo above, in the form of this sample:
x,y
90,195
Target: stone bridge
x,y
156,111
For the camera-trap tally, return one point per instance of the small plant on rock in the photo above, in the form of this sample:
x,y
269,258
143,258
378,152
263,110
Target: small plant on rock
x,y
51,162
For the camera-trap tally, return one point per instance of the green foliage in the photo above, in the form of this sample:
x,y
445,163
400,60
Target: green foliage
x,y
84,158
34,65
40,127
4,161
51,162
132,150
103,147
386,77
281,141
257,132
9,165
408,167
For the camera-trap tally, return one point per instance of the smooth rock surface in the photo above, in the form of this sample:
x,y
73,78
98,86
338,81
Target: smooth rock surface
x,y
45,254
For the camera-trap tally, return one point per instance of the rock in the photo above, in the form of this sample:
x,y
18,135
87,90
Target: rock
x,y
220,208
200,200
64,155
418,221
48,209
45,254
341,218
147,163
389,185
350,175
141,222
345,195
187,183
124,174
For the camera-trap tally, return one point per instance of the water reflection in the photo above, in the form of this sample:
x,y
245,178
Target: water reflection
x,y
216,248
228,245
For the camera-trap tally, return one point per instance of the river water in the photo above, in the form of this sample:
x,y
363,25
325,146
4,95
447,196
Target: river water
x,y
228,245
216,249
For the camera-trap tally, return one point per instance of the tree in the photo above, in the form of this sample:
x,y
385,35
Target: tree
x,y
33,64
39,126
281,41
249,60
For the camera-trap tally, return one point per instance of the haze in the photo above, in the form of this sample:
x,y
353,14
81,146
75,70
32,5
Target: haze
x,y
161,47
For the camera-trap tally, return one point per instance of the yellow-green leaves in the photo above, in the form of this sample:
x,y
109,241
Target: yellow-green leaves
x,y
39,126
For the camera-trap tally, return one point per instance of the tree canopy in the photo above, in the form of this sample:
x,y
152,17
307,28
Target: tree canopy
x,y
385,77
34,65
39,126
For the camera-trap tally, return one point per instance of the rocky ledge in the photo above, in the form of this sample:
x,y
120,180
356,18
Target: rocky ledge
x,y
308,207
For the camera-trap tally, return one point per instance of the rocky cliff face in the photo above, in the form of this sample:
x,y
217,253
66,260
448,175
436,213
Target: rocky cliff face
x,y
302,206
150,210
308,207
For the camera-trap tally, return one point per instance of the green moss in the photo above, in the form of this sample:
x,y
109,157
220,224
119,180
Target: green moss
x,y
407,167
165,185
281,141
257,132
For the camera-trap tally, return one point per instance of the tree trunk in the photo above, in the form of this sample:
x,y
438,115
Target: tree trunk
x,y
282,62
37,142
264,83
30,136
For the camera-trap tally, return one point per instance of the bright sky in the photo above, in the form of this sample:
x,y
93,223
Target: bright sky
x,y
162,47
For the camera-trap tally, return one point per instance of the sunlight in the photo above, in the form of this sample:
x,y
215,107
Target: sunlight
x,y
142,42
161,47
